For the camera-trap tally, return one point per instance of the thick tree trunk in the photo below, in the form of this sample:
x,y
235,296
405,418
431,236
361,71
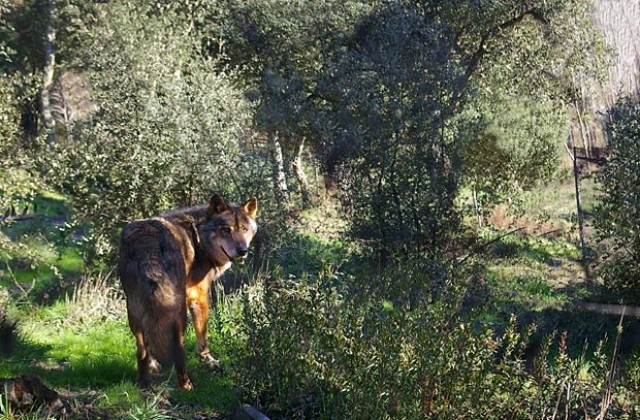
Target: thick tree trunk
x,y
49,67
280,179
301,177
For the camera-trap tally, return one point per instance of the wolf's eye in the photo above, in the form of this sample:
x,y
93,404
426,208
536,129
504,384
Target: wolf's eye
x,y
243,228
225,229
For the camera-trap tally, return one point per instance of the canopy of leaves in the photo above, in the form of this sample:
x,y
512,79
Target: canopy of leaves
x,y
393,102
377,89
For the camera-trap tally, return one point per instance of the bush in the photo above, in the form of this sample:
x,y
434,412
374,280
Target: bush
x,y
618,215
516,149
398,154
166,130
314,350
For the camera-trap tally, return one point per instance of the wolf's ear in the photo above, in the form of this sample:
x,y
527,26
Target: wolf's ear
x,y
216,205
250,207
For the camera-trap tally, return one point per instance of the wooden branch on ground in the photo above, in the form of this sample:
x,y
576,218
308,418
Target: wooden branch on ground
x,y
486,244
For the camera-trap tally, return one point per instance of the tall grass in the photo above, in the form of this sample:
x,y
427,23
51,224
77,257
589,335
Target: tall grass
x,y
95,299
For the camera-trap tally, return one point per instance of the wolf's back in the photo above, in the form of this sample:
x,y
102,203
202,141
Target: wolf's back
x,y
153,275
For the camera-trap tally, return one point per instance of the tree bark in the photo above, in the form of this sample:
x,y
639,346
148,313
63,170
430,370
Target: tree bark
x,y
280,179
301,177
49,68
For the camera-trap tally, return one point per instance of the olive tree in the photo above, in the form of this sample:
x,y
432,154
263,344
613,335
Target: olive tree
x,y
516,146
167,129
397,103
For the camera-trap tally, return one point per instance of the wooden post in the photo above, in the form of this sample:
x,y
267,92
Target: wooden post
x,y
576,176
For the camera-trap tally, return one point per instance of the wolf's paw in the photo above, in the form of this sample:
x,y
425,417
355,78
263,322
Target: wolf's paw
x,y
209,361
186,384
143,380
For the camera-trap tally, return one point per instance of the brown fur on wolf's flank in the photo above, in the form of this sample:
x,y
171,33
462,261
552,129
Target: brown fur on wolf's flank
x,y
167,264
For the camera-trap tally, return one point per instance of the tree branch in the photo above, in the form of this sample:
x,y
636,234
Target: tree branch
x,y
473,61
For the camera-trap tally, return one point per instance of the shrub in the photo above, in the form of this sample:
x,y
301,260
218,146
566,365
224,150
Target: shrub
x,y
516,150
312,350
618,215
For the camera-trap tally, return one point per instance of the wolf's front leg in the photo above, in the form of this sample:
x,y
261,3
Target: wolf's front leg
x,y
198,303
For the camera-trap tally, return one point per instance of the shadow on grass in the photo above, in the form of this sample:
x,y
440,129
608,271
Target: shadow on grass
x,y
533,248
585,330
21,357
555,310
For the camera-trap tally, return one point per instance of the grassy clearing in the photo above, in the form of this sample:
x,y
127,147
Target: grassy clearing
x,y
538,278
73,334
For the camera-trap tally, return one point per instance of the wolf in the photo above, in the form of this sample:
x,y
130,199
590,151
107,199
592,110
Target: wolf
x,y
166,265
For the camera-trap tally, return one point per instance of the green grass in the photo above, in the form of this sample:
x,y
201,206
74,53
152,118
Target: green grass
x,y
558,199
120,398
79,342
100,356
34,262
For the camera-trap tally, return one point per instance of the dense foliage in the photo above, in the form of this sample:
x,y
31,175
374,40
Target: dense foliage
x,y
313,352
166,129
618,216
155,104
515,150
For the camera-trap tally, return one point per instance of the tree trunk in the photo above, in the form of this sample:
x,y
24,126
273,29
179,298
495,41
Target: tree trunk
x,y
301,176
280,179
476,206
49,67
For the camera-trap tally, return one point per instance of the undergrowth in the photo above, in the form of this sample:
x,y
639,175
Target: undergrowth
x,y
319,333
314,350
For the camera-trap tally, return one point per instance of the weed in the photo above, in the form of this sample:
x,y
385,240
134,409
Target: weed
x,y
150,408
95,300
6,412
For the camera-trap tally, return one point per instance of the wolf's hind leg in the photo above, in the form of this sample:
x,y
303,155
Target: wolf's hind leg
x,y
179,356
144,360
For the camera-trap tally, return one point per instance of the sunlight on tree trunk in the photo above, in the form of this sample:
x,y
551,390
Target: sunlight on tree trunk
x,y
49,67
279,176
301,177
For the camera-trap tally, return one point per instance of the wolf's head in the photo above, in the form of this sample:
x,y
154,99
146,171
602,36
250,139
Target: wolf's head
x,y
226,233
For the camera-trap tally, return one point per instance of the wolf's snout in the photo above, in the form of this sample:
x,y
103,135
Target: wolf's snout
x,y
242,251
